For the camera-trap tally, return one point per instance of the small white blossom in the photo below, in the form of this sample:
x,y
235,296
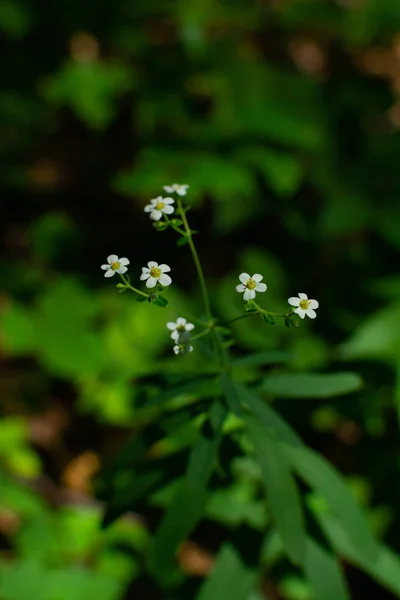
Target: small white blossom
x,y
304,306
158,207
250,285
179,188
115,265
156,273
183,348
180,327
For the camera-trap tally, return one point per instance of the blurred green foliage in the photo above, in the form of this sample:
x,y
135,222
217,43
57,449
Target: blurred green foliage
x,y
283,116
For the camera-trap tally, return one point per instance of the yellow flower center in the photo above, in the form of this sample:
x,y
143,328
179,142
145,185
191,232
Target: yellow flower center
x,y
304,304
154,272
251,284
160,205
115,265
181,328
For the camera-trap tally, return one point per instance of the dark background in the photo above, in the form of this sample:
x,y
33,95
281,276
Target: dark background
x,y
283,117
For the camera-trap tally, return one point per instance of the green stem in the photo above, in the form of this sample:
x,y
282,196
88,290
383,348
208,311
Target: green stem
x,y
196,259
129,286
175,227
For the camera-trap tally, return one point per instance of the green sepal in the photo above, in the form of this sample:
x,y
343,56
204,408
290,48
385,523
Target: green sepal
x,y
160,225
161,301
182,240
176,222
250,306
267,319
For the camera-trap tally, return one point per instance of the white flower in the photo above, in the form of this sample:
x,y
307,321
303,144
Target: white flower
x,y
183,348
158,207
304,306
115,265
180,327
155,272
250,285
179,188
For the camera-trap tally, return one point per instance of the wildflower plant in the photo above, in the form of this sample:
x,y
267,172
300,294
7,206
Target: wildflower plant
x,y
213,399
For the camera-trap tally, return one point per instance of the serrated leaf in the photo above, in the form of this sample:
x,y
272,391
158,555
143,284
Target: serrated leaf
x,y
324,573
311,385
281,489
230,578
323,478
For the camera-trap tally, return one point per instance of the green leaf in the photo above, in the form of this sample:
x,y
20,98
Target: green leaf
x,y
189,502
385,568
203,456
281,489
270,357
323,478
160,301
267,319
230,578
324,573
231,394
268,416
182,240
311,385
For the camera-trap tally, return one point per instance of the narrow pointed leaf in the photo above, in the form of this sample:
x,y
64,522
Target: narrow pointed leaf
x,y
230,579
311,385
324,573
188,504
268,416
281,489
325,480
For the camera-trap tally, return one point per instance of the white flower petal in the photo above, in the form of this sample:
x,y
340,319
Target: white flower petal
x,y
189,326
168,188
168,209
240,287
171,325
176,349
124,261
249,294
294,301
257,277
156,215
109,273
168,200
122,270
181,321
112,258
313,304
105,267
244,277
144,276
164,268
261,287
151,282
148,208
165,279
301,312
311,313
303,296
189,348
175,336
152,264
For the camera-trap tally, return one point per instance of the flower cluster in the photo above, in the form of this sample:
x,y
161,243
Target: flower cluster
x,y
181,335
250,285
157,279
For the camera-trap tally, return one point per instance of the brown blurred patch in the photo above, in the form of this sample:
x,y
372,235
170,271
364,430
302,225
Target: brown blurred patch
x,y
194,560
45,430
9,521
79,472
